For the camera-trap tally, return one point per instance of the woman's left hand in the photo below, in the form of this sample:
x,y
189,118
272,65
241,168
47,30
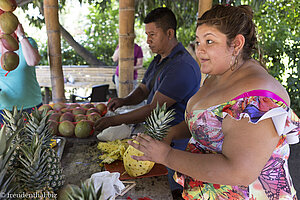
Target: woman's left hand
x,y
153,150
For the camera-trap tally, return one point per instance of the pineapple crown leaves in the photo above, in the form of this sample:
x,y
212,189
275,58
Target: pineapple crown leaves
x,y
86,191
6,147
34,165
38,125
157,124
32,152
7,150
14,119
6,185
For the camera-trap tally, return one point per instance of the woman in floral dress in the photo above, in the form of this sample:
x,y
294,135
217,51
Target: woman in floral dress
x,y
240,121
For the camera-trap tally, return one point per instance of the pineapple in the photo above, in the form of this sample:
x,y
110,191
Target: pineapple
x,y
34,175
38,127
14,121
157,125
86,191
38,165
112,151
6,151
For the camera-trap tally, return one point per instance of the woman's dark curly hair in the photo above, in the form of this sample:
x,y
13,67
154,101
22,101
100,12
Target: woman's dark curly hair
x,y
232,21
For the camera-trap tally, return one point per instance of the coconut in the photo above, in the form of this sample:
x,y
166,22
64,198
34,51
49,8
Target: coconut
x,y
67,116
92,110
8,22
66,128
45,107
94,116
9,42
83,129
73,105
53,127
78,110
8,5
102,108
79,117
88,105
59,106
55,116
9,60
64,110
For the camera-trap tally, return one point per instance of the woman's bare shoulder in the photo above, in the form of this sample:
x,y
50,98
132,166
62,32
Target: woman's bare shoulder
x,y
257,78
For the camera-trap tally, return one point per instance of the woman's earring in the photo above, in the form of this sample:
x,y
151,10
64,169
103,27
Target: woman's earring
x,y
232,62
235,62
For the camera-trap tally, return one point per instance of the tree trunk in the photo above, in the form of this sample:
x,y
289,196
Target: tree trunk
x,y
126,45
204,5
54,49
85,54
80,50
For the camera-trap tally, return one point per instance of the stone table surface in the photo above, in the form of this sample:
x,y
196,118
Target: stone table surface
x,y
80,161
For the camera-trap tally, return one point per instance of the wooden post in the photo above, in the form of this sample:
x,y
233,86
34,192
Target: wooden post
x,y
54,49
126,45
203,6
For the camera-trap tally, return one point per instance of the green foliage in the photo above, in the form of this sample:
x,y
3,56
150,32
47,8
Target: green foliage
x,y
185,12
147,62
277,25
278,28
69,56
102,32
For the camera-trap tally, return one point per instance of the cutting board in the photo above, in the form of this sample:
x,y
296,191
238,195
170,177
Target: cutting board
x,y
117,166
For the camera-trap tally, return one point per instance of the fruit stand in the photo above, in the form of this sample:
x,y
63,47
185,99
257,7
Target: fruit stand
x,y
80,153
80,161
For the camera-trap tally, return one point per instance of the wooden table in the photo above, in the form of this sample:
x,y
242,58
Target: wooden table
x,y
82,77
80,161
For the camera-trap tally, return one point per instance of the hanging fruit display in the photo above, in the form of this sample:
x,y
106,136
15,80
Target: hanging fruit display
x,y
9,61
9,42
8,24
8,5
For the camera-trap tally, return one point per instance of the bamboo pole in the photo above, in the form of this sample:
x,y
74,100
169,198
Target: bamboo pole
x,y
203,6
126,45
54,50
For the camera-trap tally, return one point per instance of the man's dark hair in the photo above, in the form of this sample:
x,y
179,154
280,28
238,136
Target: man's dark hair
x,y
163,18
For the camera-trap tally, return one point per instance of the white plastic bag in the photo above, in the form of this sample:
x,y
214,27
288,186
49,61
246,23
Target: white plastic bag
x,y
115,133
111,185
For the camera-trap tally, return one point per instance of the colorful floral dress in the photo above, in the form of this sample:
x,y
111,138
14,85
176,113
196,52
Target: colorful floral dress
x,y
274,181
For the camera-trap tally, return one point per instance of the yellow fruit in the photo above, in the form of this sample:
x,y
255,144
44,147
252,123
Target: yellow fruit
x,y
157,125
53,143
133,167
8,22
112,151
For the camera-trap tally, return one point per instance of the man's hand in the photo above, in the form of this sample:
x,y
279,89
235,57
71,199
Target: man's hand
x,y
115,103
104,123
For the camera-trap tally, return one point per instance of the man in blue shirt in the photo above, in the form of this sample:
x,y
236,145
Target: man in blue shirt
x,y
172,77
